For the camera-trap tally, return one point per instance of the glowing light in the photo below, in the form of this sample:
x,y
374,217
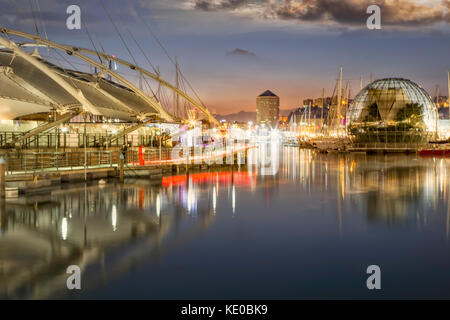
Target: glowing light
x,y
158,205
114,217
64,228
214,199
191,198
233,199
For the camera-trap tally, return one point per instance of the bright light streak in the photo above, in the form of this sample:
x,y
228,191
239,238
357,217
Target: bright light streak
x,y
233,199
214,200
114,217
64,228
158,205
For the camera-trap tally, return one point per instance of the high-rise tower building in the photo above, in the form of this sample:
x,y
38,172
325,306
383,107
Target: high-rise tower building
x,y
267,109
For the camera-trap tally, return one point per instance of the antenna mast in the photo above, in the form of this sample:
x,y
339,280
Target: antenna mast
x,y
339,98
177,84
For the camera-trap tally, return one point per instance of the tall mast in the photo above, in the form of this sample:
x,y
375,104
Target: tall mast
x,y
339,97
309,118
177,84
437,112
347,95
347,90
437,95
323,105
347,101
448,96
371,77
360,83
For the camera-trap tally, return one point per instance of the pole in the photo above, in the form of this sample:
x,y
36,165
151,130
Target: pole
x,y
121,165
160,147
448,96
437,113
2,178
347,94
141,156
3,218
177,84
339,97
323,105
309,118
85,149
360,83
56,134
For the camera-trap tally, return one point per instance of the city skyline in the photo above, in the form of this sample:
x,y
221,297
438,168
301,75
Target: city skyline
x,y
231,51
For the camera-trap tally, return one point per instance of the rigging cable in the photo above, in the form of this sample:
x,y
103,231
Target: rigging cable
x,y
41,19
119,34
135,62
164,50
34,18
90,38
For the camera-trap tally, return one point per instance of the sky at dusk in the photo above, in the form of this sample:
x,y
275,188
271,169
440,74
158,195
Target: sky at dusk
x,y
233,50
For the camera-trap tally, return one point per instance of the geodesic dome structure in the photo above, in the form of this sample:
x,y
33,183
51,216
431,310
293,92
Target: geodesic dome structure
x,y
392,110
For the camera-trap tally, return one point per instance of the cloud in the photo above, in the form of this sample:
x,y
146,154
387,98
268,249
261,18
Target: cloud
x,y
241,52
220,5
342,12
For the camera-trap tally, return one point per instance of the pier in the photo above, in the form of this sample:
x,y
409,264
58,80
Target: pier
x,y
33,172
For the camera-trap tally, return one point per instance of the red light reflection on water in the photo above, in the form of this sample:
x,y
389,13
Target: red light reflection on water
x,y
223,177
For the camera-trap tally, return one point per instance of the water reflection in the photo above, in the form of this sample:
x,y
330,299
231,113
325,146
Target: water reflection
x,y
388,188
83,225
109,230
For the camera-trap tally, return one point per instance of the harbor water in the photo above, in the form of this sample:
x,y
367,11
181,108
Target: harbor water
x,y
307,225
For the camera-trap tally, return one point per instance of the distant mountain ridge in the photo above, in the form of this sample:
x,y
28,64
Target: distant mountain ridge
x,y
246,116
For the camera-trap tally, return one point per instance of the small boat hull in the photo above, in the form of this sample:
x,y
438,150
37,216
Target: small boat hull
x,y
434,153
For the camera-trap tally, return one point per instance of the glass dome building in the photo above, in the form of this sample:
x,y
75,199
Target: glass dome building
x,y
392,110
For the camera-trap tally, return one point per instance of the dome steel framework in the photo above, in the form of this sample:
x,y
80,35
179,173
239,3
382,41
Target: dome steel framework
x,y
392,110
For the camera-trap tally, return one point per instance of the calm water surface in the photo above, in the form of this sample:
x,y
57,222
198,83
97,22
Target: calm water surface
x,y
306,229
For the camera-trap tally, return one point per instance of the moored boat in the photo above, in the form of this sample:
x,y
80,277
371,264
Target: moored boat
x,y
442,150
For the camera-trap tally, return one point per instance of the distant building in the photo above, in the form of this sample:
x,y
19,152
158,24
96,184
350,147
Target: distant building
x,y
308,102
283,119
442,105
267,109
302,114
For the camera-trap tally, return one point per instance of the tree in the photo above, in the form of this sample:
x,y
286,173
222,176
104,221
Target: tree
x,y
373,113
411,111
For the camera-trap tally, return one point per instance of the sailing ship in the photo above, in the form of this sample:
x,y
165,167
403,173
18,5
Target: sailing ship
x,y
334,137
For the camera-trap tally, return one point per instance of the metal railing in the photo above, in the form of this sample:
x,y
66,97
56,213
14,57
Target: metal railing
x,y
386,146
32,162
75,140
26,162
